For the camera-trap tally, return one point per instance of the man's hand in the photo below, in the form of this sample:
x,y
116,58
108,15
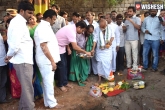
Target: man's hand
x,y
8,58
161,41
92,52
117,48
147,32
54,66
88,53
124,28
69,52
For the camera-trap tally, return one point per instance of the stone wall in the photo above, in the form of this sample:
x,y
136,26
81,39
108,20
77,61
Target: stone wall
x,y
96,6
4,4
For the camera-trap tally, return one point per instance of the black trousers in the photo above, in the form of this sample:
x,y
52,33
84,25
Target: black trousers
x,y
3,81
120,59
61,71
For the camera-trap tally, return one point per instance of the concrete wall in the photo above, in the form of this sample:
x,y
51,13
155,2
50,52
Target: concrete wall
x,y
96,6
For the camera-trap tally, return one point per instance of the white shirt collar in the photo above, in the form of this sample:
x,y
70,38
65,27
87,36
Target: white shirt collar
x,y
45,22
21,18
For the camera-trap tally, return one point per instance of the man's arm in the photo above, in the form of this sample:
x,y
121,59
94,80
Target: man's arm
x,y
15,36
77,48
137,26
47,53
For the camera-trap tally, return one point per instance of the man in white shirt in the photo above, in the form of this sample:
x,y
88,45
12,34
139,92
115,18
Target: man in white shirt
x,y
47,55
20,53
3,71
75,18
60,21
121,51
116,41
89,20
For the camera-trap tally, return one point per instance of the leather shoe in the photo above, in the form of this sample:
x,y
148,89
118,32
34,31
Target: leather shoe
x,y
5,101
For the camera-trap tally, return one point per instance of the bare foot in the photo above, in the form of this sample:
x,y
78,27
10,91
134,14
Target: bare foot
x,y
99,80
58,106
63,89
70,86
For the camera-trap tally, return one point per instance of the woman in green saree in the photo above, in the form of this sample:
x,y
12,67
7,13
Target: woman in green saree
x,y
37,79
79,67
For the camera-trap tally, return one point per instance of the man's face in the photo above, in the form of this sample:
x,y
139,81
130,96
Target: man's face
x,y
108,18
153,12
119,20
114,15
80,30
65,16
52,20
130,13
27,14
90,31
89,16
100,16
75,19
162,13
102,25
54,8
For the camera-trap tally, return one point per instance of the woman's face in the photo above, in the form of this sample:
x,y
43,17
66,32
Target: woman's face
x,y
32,20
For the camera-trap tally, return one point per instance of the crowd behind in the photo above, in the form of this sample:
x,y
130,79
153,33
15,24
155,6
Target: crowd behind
x,y
43,50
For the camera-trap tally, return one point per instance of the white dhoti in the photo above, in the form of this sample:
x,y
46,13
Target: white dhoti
x,y
114,54
104,65
47,85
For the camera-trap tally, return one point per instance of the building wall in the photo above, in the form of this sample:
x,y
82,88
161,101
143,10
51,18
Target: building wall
x,y
4,4
96,6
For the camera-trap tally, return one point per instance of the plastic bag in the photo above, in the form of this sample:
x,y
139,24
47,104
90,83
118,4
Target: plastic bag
x,y
95,91
134,75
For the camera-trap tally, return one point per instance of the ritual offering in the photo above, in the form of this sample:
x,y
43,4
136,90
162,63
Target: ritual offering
x,y
84,56
135,74
95,91
139,85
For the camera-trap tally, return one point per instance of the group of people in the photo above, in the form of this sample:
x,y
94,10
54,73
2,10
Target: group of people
x,y
47,49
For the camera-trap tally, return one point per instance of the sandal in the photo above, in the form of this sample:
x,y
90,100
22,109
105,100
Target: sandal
x,y
63,89
68,85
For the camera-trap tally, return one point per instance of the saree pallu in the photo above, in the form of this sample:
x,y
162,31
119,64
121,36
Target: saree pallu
x,y
15,84
79,68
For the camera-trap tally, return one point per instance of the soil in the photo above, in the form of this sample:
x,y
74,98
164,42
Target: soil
x,y
150,98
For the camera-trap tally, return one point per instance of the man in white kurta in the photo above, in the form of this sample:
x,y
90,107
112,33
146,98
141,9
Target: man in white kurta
x,y
47,55
103,52
116,41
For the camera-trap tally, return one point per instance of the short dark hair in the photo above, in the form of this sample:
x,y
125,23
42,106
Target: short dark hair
x,y
90,12
102,17
82,24
162,10
25,5
49,13
38,14
56,6
138,15
100,14
76,14
63,13
110,15
147,12
90,26
133,8
113,11
8,22
119,16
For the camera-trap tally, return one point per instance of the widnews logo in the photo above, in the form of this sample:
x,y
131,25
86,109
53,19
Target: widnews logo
x,y
149,5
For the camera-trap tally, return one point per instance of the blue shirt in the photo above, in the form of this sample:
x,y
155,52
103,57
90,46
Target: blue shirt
x,y
153,25
132,32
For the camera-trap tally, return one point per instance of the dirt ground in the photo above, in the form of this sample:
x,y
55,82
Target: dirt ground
x,y
150,98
